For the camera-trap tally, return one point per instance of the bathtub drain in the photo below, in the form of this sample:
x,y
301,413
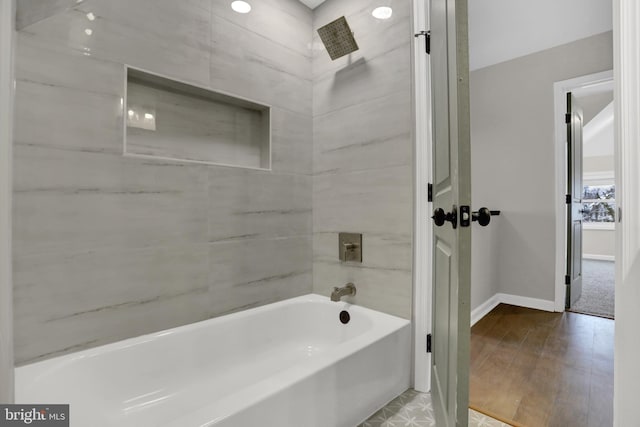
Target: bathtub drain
x,y
345,317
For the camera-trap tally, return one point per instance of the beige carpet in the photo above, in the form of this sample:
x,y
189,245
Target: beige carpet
x,y
598,279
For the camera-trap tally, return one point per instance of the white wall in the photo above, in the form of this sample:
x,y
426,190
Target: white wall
x,y
598,243
598,240
6,119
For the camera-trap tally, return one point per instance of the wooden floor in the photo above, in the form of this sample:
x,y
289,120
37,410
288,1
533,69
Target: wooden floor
x,y
534,368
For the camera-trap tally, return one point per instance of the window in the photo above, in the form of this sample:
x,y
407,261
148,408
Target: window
x,y
599,204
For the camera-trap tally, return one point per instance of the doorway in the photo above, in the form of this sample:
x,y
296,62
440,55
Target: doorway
x,y
589,251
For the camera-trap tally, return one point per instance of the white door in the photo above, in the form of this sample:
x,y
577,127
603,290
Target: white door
x,y
451,190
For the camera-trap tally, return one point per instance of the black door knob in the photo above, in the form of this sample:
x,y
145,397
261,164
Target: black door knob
x,y
483,216
440,217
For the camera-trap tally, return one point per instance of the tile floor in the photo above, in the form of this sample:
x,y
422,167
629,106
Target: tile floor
x,y
414,409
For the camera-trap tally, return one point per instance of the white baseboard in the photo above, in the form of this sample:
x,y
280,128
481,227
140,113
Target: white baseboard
x,y
538,304
500,298
484,309
599,257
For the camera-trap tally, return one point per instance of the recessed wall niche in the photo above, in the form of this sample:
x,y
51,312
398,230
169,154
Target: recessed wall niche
x,y
172,120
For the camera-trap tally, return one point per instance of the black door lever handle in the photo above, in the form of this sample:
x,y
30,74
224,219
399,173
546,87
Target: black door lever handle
x,y
440,217
483,216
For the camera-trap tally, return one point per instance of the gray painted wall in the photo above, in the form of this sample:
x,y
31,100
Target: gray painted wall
x,y
512,138
108,247
362,157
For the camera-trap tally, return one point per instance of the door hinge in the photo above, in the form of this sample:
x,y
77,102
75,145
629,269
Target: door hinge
x,y
427,40
567,118
428,343
567,280
567,199
430,192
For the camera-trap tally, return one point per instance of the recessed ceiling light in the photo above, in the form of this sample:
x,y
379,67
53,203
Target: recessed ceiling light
x,y
88,31
241,6
382,12
91,16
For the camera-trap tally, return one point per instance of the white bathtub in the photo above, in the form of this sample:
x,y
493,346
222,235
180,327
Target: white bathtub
x,y
292,363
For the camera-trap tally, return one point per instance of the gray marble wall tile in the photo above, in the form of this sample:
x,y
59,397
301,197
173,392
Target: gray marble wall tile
x,y
364,80
250,65
379,247
291,134
286,22
362,156
383,279
109,247
249,273
246,204
173,41
67,301
65,67
368,201
330,10
377,134
67,201
31,11
384,290
89,121
377,203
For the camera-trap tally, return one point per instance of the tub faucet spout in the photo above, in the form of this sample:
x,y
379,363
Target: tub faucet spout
x,y
347,290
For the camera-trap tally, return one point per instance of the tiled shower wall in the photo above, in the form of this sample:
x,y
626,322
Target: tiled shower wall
x,y
108,247
362,156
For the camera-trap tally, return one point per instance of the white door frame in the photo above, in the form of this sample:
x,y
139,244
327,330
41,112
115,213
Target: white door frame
x,y
560,90
626,60
422,287
7,31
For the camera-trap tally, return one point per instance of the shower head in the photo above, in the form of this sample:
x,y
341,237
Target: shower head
x,y
338,38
